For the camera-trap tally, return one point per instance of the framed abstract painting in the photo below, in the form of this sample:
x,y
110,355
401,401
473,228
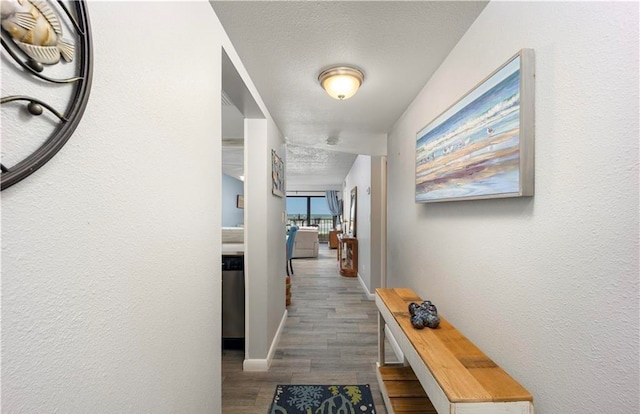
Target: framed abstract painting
x,y
483,145
277,175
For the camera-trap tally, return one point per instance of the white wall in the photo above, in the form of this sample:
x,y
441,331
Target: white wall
x,y
377,211
110,261
546,286
110,252
365,174
266,236
275,244
360,177
231,214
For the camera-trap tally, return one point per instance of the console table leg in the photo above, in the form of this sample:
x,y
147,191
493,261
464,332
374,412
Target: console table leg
x,y
381,325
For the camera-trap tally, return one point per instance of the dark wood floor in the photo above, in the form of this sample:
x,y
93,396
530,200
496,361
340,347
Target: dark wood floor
x,y
330,338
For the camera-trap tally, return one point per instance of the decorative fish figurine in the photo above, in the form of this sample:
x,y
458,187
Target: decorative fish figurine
x,y
36,30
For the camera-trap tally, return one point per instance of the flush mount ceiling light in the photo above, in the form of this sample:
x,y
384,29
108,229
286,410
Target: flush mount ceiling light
x,y
341,82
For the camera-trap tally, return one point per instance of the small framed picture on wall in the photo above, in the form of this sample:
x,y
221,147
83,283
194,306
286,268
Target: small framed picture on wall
x,y
240,201
277,175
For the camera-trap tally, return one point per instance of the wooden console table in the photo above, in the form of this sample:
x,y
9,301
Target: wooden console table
x,y
348,255
443,372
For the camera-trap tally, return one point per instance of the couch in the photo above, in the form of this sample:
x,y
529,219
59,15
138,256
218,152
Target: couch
x,y
306,242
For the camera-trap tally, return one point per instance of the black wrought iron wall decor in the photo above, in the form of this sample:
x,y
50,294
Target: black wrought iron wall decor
x,y
47,64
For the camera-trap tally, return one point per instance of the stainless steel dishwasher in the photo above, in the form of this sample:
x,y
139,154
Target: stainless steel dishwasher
x,y
233,301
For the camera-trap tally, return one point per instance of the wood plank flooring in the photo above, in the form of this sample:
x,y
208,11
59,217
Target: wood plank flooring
x,y
330,338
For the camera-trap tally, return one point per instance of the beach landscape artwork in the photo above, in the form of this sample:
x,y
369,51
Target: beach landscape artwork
x,y
482,146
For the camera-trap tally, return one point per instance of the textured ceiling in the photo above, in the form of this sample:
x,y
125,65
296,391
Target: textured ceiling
x,y
316,168
284,45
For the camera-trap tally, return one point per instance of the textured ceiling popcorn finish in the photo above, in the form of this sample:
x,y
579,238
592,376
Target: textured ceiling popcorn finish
x,y
314,167
398,45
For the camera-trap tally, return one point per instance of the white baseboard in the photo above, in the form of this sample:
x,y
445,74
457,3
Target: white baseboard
x,y
262,365
255,365
370,296
394,344
276,338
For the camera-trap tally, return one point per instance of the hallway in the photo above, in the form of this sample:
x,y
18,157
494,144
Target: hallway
x,y
330,338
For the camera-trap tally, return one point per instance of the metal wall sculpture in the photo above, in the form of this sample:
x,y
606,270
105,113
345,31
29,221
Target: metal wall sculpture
x,y
47,64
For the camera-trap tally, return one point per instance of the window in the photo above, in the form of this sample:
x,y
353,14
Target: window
x,y
310,211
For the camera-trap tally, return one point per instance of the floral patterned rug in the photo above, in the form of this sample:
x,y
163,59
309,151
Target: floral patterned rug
x,y
322,399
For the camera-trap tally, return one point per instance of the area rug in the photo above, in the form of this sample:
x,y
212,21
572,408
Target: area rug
x,y
322,399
